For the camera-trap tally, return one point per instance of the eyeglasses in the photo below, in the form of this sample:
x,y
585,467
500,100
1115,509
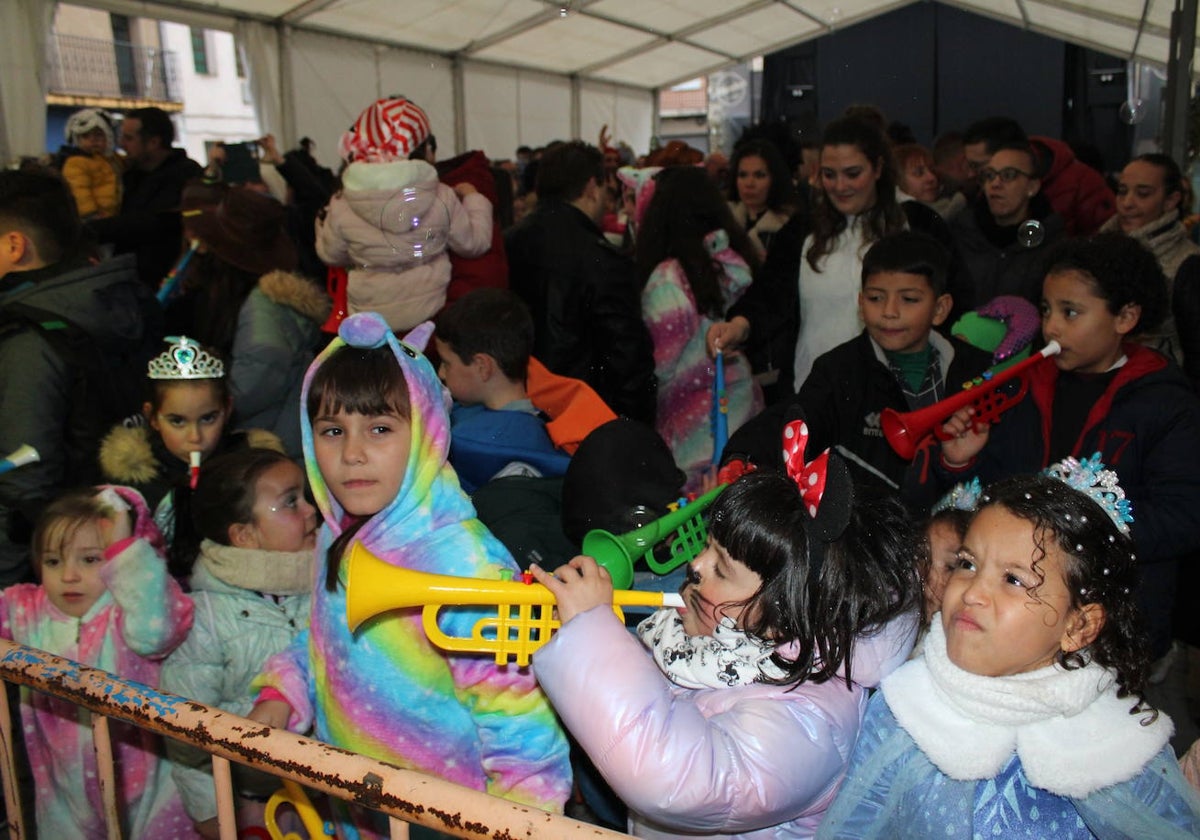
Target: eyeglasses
x,y
1008,174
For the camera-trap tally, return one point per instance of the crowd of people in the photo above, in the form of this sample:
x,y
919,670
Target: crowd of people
x,y
460,367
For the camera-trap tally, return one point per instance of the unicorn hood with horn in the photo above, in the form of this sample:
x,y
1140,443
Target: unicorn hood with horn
x,y
385,690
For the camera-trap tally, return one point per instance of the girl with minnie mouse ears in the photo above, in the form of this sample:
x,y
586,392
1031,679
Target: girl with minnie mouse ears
x,y
751,695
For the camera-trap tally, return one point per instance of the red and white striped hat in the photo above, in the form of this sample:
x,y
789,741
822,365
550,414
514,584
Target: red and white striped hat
x,y
388,130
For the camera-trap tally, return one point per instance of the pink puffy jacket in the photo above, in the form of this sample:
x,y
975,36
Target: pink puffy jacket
x,y
756,761
391,225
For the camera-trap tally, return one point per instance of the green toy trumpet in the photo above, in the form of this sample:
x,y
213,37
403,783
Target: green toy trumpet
x,y
685,527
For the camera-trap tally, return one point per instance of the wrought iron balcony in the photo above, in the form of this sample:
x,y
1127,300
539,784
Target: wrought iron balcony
x,y
92,67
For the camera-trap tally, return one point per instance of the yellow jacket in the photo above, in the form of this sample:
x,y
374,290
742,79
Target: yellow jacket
x,y
95,182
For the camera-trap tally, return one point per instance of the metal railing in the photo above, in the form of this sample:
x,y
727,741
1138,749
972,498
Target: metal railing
x,y
77,66
404,795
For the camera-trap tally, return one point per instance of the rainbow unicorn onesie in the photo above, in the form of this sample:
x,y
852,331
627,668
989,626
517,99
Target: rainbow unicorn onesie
x,y
385,691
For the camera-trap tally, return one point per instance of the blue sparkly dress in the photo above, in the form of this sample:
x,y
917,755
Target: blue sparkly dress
x,y
1101,772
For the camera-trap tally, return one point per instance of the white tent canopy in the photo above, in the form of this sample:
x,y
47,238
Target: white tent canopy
x,y
494,74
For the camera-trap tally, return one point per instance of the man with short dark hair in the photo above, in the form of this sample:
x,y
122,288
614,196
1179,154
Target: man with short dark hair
x,y
149,224
981,140
581,290
1078,193
66,324
1000,257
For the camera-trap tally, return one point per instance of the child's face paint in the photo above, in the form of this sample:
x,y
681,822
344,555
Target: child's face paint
x,y
1006,609
362,458
283,518
190,419
717,584
71,572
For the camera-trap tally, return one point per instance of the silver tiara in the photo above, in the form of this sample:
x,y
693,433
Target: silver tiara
x,y
1090,476
185,359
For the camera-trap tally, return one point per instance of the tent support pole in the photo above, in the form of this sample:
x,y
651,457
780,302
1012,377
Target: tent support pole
x,y
1179,79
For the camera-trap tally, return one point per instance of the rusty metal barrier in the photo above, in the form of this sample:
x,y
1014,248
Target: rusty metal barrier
x,y
404,795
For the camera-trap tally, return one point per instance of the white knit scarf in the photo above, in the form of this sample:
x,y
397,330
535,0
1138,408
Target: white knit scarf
x,y
1069,728
727,658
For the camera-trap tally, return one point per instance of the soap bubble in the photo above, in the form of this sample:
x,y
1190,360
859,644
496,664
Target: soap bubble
x,y
415,223
1031,233
1132,111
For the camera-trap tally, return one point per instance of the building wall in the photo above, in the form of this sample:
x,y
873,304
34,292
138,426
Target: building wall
x,y
216,106
85,23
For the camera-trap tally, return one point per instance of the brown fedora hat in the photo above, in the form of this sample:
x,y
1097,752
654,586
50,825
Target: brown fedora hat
x,y
243,228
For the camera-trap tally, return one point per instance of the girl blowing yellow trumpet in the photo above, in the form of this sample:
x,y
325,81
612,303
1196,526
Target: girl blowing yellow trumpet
x,y
376,437
752,694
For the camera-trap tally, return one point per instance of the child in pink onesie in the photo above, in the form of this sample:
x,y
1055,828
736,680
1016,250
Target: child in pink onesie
x,y
105,600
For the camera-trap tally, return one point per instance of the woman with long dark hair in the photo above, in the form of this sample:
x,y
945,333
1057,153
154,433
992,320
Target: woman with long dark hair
x,y
804,302
1151,203
763,188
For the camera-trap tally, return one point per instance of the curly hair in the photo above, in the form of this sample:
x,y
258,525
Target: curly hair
x,y
1123,271
685,209
1099,566
884,216
817,600
781,195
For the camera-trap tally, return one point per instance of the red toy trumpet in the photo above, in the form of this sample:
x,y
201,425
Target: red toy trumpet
x,y
906,431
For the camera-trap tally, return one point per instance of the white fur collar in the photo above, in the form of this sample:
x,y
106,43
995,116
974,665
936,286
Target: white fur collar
x,y
1069,728
361,177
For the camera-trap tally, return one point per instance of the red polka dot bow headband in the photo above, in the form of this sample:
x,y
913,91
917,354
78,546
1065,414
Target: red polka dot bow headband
x,y
824,482
810,476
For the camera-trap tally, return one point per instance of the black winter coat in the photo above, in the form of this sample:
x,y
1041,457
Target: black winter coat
x,y
841,401
772,303
586,306
149,223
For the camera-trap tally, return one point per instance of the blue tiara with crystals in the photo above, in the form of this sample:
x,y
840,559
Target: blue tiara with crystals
x,y
962,496
1090,476
185,359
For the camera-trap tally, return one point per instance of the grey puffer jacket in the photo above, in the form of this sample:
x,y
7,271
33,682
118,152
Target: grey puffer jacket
x,y
278,330
234,632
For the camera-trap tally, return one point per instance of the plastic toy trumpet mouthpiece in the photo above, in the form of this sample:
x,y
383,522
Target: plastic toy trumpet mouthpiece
x,y
19,457
193,469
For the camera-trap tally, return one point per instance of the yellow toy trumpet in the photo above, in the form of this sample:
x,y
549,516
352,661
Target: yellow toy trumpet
x,y
294,795
524,617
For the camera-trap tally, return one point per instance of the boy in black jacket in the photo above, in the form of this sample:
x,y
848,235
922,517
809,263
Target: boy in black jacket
x,y
899,361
